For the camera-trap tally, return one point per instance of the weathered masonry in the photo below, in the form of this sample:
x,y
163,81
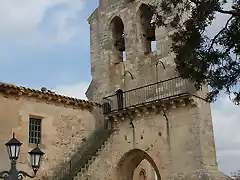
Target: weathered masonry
x,y
57,123
156,116
147,123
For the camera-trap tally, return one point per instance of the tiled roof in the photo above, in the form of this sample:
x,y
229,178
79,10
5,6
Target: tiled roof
x,y
12,89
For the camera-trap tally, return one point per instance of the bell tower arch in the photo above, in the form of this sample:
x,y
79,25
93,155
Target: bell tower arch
x,y
118,41
148,105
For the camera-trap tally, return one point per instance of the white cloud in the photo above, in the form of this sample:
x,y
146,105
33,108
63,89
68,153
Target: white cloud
x,y
226,117
226,121
21,19
73,90
220,21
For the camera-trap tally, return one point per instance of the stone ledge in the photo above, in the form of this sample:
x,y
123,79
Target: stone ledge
x,y
155,106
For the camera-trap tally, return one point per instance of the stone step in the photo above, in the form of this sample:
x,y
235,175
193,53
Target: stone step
x,y
94,158
84,169
76,178
80,175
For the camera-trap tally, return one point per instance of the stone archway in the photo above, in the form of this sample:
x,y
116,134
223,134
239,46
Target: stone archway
x,y
118,39
146,27
130,161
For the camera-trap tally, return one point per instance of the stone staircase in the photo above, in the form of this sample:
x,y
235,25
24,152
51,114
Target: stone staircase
x,y
85,155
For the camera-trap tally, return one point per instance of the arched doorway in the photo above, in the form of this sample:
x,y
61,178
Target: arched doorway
x,y
119,94
130,161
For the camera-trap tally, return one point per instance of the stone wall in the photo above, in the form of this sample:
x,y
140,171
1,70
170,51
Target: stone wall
x,y
185,148
178,149
63,129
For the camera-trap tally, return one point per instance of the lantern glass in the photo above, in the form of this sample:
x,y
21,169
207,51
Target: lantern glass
x,y
36,157
35,160
13,148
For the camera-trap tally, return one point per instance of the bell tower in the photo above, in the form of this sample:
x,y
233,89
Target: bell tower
x,y
126,48
134,77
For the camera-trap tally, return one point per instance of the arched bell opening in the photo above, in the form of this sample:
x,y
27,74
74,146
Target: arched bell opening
x,y
118,41
146,27
129,163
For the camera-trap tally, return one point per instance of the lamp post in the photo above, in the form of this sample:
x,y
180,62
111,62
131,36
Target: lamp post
x,y
13,148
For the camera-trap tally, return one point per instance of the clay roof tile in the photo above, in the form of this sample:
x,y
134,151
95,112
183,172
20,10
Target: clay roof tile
x,y
4,87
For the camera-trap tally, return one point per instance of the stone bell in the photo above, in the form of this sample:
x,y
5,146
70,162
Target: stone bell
x,y
120,44
150,34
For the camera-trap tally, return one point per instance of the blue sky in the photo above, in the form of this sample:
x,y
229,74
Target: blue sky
x,y
46,43
50,52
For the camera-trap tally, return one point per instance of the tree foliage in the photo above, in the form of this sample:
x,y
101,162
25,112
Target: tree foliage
x,y
236,175
203,59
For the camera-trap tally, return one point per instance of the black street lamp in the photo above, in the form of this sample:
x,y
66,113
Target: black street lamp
x,y
13,148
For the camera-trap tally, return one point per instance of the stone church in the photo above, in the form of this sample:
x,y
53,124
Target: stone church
x,y
146,122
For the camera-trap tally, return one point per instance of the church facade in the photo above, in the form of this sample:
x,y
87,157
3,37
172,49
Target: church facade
x,y
147,124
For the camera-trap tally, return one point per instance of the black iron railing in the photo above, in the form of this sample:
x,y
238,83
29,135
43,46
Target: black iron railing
x,y
81,158
158,91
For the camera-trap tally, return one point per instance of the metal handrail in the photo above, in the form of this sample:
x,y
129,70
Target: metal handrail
x,y
152,92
